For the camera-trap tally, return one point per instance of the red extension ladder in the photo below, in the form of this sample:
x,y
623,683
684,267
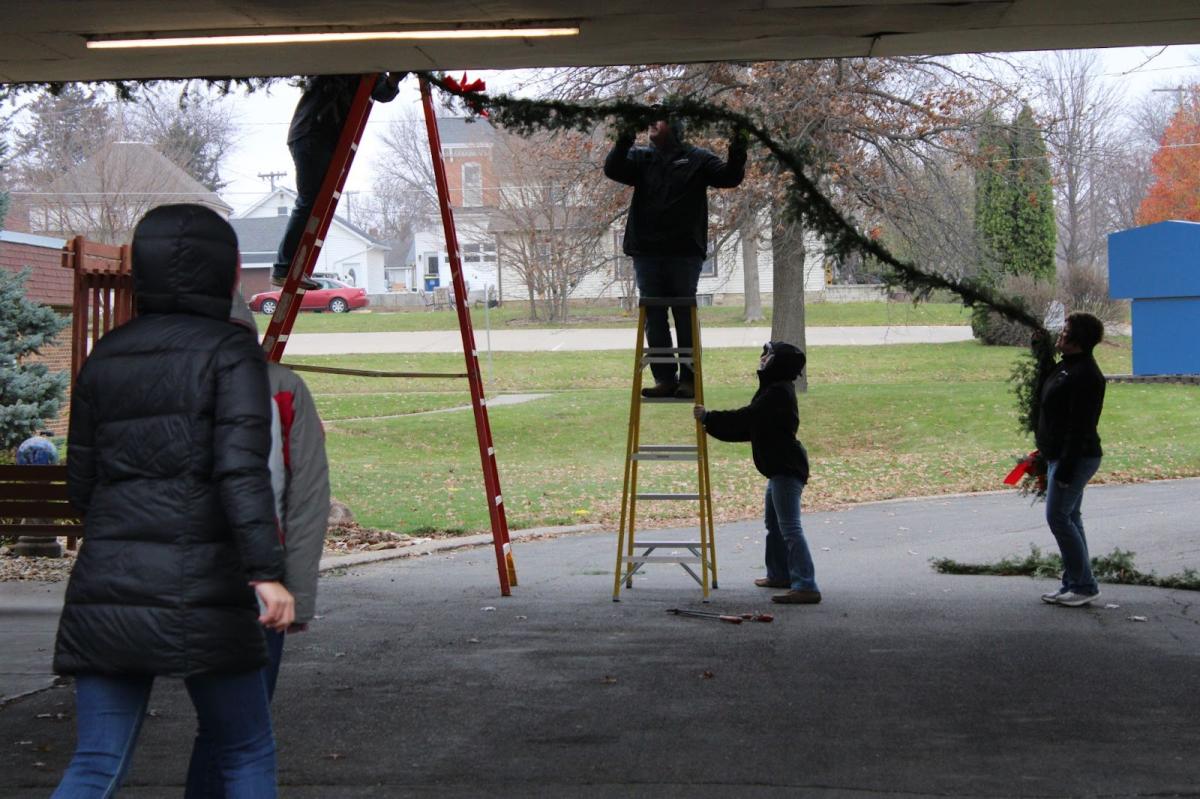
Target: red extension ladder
x,y
305,260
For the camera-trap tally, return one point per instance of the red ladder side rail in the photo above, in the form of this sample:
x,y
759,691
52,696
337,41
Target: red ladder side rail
x,y
313,238
483,428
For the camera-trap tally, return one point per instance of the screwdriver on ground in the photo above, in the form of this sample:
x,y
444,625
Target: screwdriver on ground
x,y
702,614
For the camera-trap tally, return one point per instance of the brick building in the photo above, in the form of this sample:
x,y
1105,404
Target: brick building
x,y
50,284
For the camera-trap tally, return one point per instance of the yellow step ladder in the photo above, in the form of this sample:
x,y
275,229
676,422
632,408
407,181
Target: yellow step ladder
x,y
634,553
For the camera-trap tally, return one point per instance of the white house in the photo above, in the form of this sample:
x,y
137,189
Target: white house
x,y
349,252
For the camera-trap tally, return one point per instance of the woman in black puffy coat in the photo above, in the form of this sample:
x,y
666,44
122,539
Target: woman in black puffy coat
x,y
167,462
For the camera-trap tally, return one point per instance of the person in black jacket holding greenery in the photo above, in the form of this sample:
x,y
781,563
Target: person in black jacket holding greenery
x,y
769,423
666,232
1071,401
181,563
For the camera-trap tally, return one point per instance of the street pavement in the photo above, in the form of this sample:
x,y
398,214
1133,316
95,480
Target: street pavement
x,y
420,681
575,339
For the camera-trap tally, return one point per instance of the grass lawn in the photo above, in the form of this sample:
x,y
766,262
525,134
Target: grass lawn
x,y
817,315
879,422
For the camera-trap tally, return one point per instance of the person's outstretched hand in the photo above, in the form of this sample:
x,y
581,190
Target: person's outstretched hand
x,y
278,606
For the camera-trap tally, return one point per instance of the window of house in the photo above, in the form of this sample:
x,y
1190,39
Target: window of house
x,y
431,266
351,273
622,263
709,269
480,252
472,184
281,210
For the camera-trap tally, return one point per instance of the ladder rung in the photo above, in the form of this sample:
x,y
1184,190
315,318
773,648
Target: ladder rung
x,y
667,351
666,359
668,544
660,559
652,400
668,496
666,452
664,456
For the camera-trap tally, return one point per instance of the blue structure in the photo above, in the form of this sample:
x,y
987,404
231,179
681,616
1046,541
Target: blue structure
x,y
1158,268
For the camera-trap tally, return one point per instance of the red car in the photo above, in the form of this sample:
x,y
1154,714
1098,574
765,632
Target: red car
x,y
333,295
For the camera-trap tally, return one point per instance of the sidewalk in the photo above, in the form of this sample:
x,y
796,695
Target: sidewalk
x,y
576,339
419,680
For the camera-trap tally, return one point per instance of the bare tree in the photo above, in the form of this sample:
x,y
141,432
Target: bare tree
x,y
554,218
404,193
192,126
1081,133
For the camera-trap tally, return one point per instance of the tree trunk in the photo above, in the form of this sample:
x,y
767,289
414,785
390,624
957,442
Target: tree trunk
x,y
749,235
787,320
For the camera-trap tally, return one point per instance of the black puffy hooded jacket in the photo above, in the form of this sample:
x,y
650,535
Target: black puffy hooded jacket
x,y
771,419
167,461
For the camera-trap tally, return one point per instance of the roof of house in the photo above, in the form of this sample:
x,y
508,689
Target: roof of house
x,y
48,282
291,199
136,169
259,237
465,130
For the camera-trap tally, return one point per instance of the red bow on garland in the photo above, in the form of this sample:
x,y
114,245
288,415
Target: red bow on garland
x,y
1021,468
462,87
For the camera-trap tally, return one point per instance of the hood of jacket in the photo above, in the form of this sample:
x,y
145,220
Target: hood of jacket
x,y
787,363
185,260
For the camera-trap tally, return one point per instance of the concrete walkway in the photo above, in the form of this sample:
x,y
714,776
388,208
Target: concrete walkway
x,y
419,680
575,339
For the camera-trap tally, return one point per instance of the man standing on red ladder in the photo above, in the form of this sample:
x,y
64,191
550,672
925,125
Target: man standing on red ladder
x,y
312,138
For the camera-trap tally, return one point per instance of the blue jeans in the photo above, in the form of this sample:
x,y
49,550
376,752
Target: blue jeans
x,y
787,557
668,276
1063,503
311,156
204,770
110,712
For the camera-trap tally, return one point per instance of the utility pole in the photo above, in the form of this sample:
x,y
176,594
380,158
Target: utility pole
x,y
1179,90
271,176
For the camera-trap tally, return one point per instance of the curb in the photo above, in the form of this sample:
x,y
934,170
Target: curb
x,y
430,546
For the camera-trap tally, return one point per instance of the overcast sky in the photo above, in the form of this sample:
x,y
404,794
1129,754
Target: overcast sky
x,y
263,119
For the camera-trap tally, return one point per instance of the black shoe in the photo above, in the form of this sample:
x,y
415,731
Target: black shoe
x,y
660,390
685,390
305,283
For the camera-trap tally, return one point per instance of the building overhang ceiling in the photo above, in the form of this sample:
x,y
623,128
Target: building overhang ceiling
x,y
47,40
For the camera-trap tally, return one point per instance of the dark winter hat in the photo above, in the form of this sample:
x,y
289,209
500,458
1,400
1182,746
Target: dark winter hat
x,y
185,260
786,361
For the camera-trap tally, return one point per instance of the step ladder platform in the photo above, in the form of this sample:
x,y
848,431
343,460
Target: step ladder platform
x,y
680,559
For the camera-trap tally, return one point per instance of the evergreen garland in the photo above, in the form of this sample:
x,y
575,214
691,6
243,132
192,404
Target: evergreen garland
x,y
805,201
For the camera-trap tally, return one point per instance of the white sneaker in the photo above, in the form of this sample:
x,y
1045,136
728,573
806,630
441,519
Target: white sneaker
x,y
1073,600
1051,598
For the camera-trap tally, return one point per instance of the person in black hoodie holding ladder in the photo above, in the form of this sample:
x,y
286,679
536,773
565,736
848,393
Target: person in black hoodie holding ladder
x,y
769,423
1072,398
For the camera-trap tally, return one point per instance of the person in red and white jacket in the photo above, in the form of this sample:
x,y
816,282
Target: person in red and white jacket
x,y
300,478
300,481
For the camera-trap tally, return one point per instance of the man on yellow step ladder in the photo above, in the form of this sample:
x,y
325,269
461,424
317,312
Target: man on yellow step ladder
x,y
666,232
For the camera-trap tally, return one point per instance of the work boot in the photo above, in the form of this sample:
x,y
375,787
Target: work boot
x,y
279,278
767,582
801,597
660,390
685,390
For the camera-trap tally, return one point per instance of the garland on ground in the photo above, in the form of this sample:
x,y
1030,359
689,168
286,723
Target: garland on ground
x,y
805,201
